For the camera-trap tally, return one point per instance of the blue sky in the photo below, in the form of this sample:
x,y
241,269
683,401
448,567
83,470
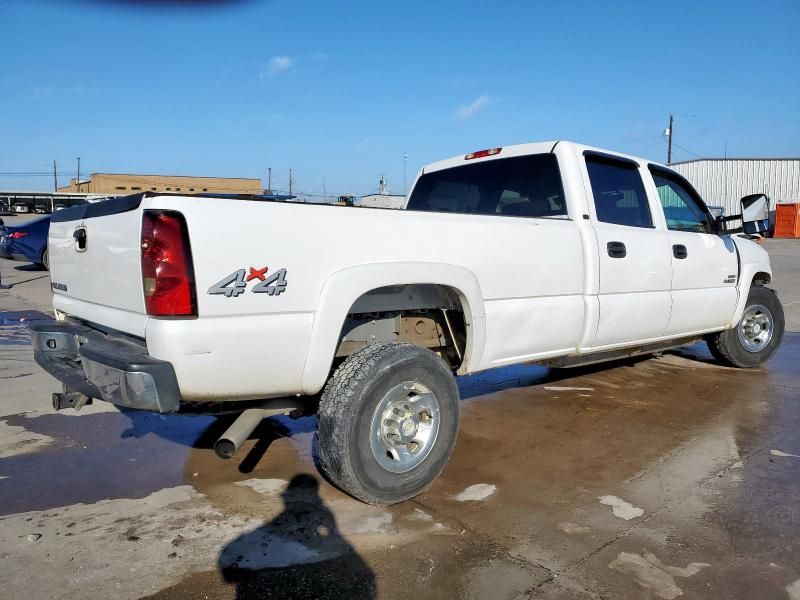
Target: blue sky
x,y
341,90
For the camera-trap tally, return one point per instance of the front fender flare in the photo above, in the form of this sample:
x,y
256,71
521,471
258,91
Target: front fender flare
x,y
749,271
344,287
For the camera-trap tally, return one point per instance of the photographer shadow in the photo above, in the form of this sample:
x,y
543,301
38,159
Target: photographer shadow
x,y
298,554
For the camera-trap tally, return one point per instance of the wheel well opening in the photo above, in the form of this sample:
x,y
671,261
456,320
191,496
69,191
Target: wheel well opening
x,y
761,278
428,315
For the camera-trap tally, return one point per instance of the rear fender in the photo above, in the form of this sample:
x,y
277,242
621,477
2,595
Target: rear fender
x,y
344,287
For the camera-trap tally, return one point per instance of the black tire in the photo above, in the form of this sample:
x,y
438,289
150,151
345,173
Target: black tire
x,y
45,264
348,405
727,347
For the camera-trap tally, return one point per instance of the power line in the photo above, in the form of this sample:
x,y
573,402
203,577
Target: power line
x,y
686,150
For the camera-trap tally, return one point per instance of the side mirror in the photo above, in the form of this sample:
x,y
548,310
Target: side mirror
x,y
720,225
755,213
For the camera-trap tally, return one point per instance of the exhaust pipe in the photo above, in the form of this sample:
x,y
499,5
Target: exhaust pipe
x,y
241,429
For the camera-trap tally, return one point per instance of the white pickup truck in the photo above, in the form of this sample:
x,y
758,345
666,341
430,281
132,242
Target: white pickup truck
x,y
548,252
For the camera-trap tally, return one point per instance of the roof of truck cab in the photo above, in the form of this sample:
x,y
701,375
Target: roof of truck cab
x,y
531,148
506,152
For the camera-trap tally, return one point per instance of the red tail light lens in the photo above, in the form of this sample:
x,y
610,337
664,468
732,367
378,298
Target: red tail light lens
x,y
167,272
482,153
18,234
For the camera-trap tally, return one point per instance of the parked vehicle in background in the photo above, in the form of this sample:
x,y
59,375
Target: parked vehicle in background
x,y
21,207
26,242
552,252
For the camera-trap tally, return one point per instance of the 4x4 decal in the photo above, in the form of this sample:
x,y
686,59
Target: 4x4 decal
x,y
235,284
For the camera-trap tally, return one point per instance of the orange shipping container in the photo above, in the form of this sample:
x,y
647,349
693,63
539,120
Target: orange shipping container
x,y
787,221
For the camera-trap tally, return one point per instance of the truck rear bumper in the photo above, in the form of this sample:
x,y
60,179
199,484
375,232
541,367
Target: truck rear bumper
x,y
104,366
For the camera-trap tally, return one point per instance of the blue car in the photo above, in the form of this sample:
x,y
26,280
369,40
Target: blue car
x,y
27,242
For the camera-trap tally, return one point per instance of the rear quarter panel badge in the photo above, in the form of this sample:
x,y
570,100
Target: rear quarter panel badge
x,y
235,284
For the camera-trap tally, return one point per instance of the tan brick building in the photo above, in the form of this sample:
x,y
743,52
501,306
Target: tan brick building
x,y
117,184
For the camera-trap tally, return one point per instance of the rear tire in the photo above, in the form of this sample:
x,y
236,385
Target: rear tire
x,y
45,264
388,422
756,336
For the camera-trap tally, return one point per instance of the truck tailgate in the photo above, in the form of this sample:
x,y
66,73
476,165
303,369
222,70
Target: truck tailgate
x,y
95,266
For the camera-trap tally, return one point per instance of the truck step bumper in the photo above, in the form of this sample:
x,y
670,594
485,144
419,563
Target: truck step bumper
x,y
105,366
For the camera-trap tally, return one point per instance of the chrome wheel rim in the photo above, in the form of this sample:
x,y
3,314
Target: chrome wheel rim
x,y
756,328
404,426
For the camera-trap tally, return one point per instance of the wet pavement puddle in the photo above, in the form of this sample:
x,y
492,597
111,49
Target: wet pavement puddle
x,y
14,326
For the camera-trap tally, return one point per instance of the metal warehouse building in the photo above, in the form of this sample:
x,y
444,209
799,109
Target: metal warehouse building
x,y
725,181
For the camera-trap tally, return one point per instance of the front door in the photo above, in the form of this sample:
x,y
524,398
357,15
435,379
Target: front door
x,y
704,265
635,259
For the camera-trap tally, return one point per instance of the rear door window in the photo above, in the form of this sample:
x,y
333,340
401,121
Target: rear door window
x,y
618,192
520,186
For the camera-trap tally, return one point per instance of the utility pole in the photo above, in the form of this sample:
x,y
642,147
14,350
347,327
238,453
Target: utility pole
x,y
290,182
78,180
269,180
669,140
324,191
55,177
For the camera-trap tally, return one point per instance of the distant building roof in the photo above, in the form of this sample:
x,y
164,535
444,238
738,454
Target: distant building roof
x,y
728,158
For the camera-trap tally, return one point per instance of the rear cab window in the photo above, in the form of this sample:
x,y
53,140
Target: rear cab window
x,y
618,191
519,186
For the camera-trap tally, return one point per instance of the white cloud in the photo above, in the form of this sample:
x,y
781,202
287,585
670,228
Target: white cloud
x,y
277,64
43,91
471,110
82,89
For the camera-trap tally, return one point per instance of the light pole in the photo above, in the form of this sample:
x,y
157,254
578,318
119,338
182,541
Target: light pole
x,y
78,180
405,162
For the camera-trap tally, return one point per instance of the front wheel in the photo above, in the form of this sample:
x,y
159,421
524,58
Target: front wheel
x,y
388,421
756,336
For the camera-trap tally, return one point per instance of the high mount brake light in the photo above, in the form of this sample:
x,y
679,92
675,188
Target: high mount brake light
x,y
18,234
483,153
167,272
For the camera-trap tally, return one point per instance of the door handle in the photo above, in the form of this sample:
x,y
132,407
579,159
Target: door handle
x,y
80,238
616,250
679,251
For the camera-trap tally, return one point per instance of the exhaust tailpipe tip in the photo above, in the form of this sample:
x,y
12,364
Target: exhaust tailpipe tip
x,y
225,448
245,424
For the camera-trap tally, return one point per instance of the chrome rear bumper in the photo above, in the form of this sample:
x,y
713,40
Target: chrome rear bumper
x,y
105,366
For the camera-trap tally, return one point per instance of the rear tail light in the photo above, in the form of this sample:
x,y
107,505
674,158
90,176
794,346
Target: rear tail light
x,y
482,153
167,272
18,234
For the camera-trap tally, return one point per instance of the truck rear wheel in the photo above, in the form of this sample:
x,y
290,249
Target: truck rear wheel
x,y
388,421
756,336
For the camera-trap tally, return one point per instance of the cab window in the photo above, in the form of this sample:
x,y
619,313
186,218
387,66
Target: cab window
x,y
618,192
520,186
683,209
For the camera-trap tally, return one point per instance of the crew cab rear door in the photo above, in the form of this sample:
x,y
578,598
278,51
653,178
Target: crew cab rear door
x,y
634,254
704,265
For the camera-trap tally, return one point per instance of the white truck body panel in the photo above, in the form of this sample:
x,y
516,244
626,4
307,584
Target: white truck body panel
x,y
104,281
531,288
